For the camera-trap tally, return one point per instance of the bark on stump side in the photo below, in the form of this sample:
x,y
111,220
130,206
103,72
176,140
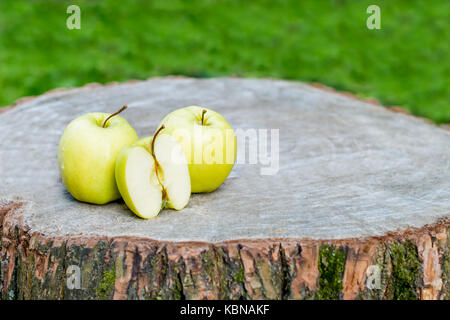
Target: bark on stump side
x,y
361,207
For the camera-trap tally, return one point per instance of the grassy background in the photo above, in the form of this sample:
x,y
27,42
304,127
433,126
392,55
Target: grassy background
x,y
405,63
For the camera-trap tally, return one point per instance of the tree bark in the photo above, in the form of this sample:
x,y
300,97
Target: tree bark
x,y
40,256
413,264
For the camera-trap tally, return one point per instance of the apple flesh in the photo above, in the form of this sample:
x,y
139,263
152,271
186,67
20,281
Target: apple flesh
x,y
87,154
151,176
208,142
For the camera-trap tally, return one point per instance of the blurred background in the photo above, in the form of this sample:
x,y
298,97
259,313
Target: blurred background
x,y
406,63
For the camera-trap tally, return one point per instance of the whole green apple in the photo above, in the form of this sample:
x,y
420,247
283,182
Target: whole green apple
x,y
208,142
87,154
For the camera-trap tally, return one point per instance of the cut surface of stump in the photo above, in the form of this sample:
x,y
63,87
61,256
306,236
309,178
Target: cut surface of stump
x,y
357,207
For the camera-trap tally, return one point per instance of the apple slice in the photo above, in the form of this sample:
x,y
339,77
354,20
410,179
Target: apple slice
x,y
137,181
173,171
152,174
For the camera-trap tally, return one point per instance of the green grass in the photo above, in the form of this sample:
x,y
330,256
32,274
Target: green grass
x,y
406,63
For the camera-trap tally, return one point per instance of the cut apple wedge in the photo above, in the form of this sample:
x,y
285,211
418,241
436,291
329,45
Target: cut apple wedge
x,y
173,171
152,175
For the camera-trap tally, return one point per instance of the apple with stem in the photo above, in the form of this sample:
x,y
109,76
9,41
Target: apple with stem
x,y
208,142
87,154
152,174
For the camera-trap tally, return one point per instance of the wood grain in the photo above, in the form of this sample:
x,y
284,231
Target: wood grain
x,y
357,186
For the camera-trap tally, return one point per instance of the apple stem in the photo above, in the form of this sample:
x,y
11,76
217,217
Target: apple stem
x,y
203,115
114,114
154,138
164,192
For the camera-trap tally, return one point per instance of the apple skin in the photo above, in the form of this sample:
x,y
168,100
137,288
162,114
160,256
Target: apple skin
x,y
182,123
87,155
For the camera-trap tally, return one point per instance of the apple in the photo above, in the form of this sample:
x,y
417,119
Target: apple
x,y
87,154
208,142
152,174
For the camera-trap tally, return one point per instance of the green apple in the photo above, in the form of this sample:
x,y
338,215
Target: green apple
x,y
87,154
152,174
208,142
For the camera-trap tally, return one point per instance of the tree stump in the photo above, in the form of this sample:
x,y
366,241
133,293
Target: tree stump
x,y
359,208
